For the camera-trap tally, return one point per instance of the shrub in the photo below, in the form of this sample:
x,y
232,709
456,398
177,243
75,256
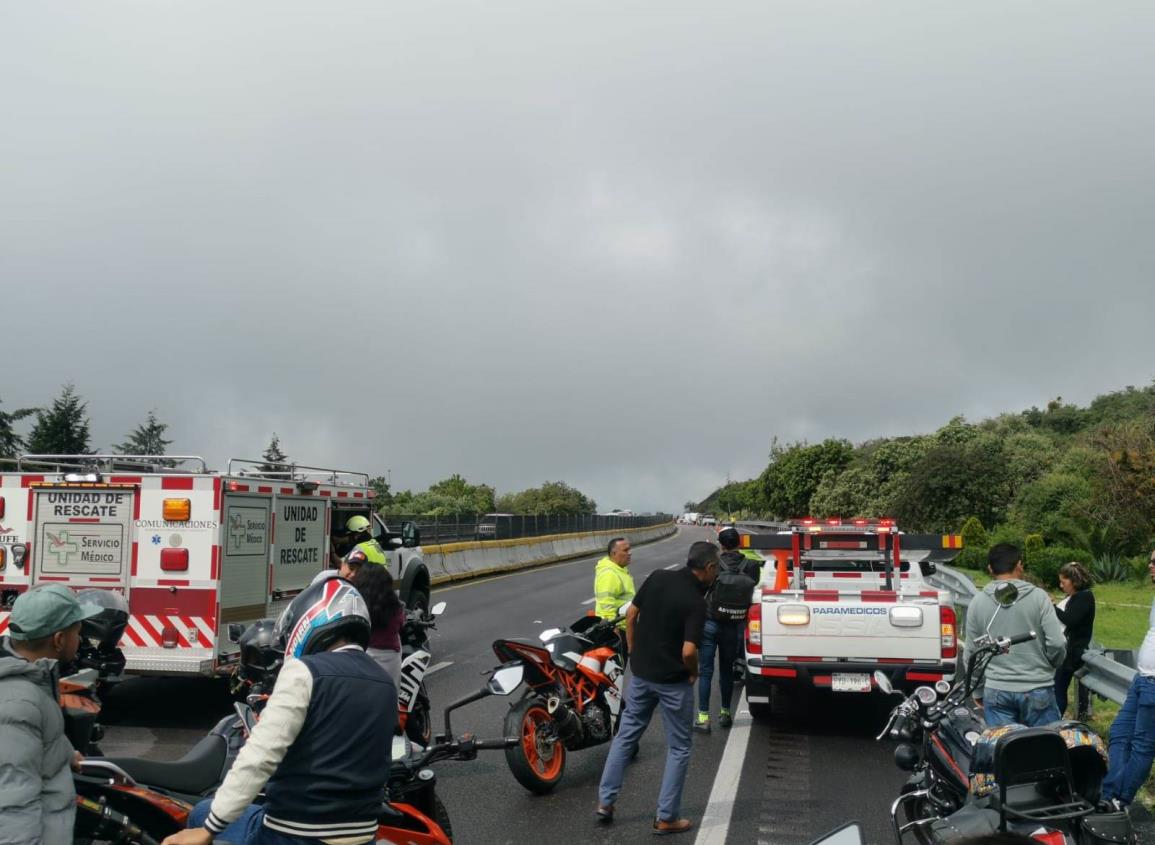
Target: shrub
x,y
975,545
1110,568
1043,564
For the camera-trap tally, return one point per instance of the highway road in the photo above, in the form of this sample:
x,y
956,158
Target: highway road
x,y
795,777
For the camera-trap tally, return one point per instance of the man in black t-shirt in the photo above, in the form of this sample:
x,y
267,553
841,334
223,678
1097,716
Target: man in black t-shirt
x,y
664,629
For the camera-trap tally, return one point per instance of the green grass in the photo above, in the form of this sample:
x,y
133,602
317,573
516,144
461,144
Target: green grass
x,y
1121,621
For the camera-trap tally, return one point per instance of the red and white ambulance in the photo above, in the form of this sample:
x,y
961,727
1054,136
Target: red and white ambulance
x,y
843,600
191,549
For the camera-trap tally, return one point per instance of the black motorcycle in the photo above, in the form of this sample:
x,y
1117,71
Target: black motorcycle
x,y
967,779
98,665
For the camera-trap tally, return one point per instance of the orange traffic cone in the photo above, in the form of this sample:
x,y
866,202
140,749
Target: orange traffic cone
x,y
782,573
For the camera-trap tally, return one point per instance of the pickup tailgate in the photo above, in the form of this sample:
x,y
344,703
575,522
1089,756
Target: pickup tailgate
x,y
853,626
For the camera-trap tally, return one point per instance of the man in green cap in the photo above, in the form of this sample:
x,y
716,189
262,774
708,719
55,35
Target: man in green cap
x,y
37,796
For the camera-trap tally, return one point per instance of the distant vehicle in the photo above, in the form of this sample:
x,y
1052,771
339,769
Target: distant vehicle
x,y
494,526
691,518
708,519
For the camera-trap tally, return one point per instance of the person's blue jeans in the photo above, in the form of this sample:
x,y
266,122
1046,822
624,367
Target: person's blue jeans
x,y
249,829
1033,708
720,637
642,698
1132,742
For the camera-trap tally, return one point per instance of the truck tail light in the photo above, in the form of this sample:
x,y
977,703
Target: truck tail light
x,y
169,637
177,510
949,632
754,627
174,560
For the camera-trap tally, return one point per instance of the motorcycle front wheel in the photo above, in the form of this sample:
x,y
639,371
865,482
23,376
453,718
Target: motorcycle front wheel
x,y
538,759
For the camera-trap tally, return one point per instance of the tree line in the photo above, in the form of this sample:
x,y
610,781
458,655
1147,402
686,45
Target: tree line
x,y
1065,482
63,428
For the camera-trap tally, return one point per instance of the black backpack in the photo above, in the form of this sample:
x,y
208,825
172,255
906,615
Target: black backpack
x,y
733,589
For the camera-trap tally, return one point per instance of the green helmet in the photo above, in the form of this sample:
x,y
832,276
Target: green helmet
x,y
357,524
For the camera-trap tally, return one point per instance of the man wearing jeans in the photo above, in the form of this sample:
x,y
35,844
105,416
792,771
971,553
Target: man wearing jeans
x,y
663,629
1020,685
1132,738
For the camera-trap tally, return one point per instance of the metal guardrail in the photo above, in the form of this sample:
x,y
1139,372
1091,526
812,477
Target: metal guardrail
x,y
458,527
1101,674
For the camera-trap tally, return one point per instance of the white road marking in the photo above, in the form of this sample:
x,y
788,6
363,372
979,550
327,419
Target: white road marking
x,y
589,601
437,667
715,826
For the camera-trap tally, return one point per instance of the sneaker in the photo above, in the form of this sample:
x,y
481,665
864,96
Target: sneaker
x,y
725,720
702,723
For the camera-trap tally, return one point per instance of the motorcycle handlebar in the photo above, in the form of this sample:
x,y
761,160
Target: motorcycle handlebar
x,y
1022,638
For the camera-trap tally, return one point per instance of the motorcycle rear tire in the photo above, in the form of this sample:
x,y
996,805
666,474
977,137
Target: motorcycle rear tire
x,y
419,726
533,766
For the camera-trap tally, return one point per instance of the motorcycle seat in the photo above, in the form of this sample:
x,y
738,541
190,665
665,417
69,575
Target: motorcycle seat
x,y
196,773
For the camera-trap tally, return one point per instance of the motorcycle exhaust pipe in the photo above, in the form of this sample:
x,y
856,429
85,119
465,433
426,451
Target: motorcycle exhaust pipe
x,y
569,726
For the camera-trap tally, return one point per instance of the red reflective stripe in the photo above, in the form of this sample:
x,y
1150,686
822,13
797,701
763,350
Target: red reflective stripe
x,y
896,660
820,680
29,480
215,572
922,676
30,494
86,519
778,673
879,595
846,574
104,580
820,595
929,593
176,484
286,491
132,636
136,504
264,489
326,492
216,494
357,495
804,659
163,601
53,577
134,556
173,582
124,479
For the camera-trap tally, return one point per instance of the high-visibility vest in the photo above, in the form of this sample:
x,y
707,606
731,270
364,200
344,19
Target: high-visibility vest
x,y
613,587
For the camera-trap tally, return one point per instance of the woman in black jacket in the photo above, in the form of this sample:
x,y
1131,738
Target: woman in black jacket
x,y
1077,613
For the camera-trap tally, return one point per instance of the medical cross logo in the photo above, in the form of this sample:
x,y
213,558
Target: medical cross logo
x,y
237,529
61,546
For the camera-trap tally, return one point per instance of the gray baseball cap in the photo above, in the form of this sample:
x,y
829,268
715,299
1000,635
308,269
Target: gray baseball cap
x,y
42,611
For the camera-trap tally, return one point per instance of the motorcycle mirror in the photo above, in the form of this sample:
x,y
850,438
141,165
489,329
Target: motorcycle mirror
x,y
883,681
1006,594
437,609
548,634
849,834
236,629
506,679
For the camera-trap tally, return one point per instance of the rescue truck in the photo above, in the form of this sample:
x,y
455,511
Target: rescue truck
x,y
192,550
843,600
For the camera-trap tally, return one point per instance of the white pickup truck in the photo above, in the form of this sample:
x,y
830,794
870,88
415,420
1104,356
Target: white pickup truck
x,y
844,600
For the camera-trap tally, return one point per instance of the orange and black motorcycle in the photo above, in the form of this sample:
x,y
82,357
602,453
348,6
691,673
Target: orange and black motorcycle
x,y
573,698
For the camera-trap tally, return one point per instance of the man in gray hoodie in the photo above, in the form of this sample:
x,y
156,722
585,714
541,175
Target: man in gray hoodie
x,y
37,796
1020,685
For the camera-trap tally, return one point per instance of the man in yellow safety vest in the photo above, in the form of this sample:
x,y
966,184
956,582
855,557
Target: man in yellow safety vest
x,y
613,584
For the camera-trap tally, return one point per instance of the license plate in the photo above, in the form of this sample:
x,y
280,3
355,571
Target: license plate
x,y
850,682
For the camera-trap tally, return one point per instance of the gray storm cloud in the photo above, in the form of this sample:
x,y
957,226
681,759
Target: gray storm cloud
x,y
619,244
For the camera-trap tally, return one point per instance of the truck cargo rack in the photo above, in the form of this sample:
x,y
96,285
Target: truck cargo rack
x,y
296,473
173,464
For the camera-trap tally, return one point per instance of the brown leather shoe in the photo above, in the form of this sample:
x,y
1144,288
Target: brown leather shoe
x,y
662,828
604,814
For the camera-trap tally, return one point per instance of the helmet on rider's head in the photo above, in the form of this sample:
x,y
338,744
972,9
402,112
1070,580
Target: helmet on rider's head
x,y
357,524
322,614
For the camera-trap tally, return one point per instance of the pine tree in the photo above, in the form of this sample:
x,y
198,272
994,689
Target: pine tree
x,y
63,428
11,442
147,439
276,461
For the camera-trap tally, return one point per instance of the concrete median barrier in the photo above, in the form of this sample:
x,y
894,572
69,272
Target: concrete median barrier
x,y
460,561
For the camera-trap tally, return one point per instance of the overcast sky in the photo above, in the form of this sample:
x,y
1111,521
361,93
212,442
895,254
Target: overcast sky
x,y
617,244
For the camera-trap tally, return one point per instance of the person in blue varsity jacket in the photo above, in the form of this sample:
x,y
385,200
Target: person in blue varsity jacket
x,y
321,748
